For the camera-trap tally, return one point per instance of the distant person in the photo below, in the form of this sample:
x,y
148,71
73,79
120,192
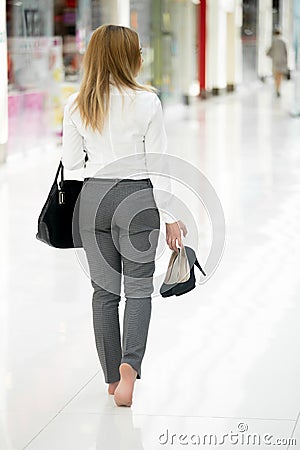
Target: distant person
x,y
278,53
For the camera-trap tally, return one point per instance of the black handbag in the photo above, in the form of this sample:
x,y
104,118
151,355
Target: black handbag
x,y
58,223
180,277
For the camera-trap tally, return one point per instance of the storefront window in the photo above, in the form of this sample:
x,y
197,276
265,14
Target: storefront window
x,y
167,30
48,38
42,70
140,20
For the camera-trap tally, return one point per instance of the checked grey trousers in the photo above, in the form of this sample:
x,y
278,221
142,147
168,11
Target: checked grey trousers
x,y
119,226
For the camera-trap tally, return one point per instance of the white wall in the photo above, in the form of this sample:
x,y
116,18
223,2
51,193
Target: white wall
x,y
265,24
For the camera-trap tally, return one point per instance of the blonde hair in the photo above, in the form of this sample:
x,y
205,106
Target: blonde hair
x,y
113,54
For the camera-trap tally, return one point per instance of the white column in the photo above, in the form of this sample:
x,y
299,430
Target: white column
x,y
185,25
265,25
3,82
124,12
230,63
295,112
116,12
238,42
287,18
234,43
216,45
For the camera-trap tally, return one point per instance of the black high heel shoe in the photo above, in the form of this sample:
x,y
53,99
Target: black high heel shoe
x,y
181,287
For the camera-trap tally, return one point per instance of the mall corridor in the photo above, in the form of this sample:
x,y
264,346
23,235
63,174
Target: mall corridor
x,y
223,358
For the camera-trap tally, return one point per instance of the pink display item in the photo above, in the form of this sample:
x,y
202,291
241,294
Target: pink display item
x,y
15,102
34,101
18,102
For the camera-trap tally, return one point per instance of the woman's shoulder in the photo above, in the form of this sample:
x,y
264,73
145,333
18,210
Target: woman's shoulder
x,y
72,98
150,97
147,93
70,103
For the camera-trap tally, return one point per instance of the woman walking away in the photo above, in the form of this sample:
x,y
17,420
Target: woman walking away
x,y
117,123
278,53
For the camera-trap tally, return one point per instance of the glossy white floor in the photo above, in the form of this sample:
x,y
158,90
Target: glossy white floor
x,y
221,359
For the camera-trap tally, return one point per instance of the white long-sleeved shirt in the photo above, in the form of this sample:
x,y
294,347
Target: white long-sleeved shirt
x,y
133,144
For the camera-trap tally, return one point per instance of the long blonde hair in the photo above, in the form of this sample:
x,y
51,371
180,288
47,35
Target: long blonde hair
x,y
113,54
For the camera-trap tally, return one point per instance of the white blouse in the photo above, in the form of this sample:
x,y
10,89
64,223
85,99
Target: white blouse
x,y
133,144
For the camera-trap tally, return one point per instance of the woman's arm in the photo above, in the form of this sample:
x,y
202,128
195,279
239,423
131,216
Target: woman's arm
x,y
159,173
156,160
73,155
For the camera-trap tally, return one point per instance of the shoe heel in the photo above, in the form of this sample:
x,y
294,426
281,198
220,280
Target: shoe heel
x,y
199,267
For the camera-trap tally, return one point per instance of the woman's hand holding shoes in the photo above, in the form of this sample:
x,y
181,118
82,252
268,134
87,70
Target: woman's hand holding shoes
x,y
173,234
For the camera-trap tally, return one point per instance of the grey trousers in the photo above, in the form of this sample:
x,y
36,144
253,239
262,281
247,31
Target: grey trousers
x,y
119,225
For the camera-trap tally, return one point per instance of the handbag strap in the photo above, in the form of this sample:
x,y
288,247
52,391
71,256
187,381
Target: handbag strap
x,y
61,170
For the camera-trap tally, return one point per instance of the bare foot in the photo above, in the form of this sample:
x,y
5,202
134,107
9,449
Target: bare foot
x,y
124,391
112,387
